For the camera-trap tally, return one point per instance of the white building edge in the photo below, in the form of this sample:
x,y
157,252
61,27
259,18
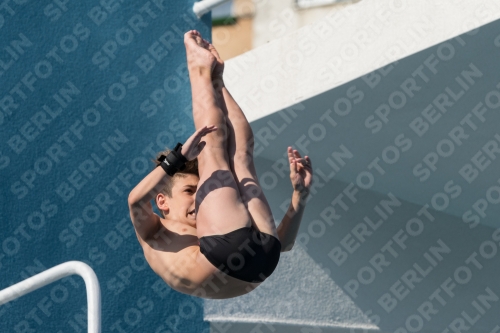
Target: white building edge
x,y
345,122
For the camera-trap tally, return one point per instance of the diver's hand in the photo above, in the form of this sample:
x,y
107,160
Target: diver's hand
x,y
193,145
301,173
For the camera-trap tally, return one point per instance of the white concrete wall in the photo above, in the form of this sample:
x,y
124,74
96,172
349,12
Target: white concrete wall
x,y
345,45
353,104
274,19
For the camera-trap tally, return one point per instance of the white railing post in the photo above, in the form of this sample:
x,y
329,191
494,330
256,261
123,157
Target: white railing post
x,y
200,8
56,273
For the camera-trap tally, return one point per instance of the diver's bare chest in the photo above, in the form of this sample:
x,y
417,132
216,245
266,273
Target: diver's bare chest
x,y
173,237
171,244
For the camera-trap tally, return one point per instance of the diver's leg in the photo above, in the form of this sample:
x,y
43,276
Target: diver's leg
x,y
218,204
240,147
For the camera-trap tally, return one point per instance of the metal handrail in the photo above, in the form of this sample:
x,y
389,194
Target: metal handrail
x,y
200,8
56,273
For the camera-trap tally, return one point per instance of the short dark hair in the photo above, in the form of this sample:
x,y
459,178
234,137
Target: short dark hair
x,y
191,169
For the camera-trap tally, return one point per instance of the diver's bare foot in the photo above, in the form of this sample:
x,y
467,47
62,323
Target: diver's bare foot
x,y
219,65
199,58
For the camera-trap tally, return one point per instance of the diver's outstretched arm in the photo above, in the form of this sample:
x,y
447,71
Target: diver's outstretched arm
x,y
301,178
289,226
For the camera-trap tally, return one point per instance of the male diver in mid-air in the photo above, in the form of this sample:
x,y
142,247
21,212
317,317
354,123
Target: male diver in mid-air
x,y
217,238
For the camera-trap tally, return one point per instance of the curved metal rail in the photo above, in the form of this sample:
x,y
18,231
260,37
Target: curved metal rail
x,y
56,273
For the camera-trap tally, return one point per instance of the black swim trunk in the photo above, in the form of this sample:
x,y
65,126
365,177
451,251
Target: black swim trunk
x,y
245,254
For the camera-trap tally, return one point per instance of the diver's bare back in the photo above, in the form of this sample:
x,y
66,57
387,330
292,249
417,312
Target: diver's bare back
x,y
174,254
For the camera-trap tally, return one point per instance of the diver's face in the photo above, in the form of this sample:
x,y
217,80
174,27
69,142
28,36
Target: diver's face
x,y
182,203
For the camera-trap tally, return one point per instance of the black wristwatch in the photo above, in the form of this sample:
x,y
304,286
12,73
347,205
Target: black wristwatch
x,y
174,161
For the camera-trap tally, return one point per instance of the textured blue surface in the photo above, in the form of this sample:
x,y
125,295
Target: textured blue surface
x,y
89,92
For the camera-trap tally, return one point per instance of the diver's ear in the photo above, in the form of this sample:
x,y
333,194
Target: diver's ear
x,y
162,202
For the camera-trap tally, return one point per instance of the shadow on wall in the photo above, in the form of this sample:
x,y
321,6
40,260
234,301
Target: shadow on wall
x,y
401,232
